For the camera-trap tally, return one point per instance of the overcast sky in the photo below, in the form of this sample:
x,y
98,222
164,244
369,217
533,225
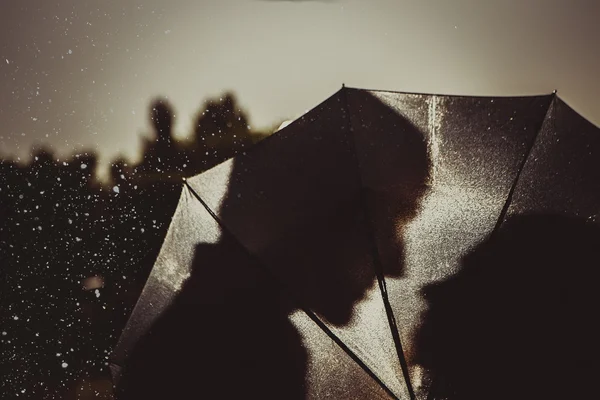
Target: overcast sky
x,y
81,73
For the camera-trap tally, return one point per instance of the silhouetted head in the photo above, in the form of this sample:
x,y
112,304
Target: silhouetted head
x,y
322,217
519,321
396,164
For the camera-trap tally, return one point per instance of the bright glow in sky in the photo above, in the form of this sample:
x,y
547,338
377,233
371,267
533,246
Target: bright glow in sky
x,y
81,73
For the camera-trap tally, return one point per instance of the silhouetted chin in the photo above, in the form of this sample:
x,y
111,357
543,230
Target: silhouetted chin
x,y
337,306
341,312
338,319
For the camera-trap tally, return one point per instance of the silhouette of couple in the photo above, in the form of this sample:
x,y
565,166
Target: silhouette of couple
x,y
516,322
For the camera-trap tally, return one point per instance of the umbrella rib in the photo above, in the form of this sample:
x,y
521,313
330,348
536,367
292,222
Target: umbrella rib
x,y
445,94
513,187
350,353
291,293
378,267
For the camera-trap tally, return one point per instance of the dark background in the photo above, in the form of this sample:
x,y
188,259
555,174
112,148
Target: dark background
x,y
76,252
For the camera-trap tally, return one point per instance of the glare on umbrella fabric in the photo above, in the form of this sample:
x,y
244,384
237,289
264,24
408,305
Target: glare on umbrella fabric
x,y
298,269
478,146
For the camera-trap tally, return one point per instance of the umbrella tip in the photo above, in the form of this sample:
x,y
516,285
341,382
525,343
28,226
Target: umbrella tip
x,y
343,85
554,91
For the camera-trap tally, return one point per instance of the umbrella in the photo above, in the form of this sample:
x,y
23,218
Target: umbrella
x,y
317,264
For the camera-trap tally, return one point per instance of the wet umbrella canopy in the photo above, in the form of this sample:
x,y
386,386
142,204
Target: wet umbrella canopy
x,y
384,245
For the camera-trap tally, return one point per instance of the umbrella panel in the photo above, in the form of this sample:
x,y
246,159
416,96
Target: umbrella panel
x,y
562,173
476,148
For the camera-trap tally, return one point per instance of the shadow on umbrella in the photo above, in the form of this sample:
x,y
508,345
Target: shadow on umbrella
x,y
519,321
228,333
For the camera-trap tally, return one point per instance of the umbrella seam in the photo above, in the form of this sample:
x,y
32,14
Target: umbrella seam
x,y
123,355
376,260
511,192
309,313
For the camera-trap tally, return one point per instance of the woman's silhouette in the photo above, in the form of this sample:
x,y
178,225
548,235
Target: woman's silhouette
x,y
519,321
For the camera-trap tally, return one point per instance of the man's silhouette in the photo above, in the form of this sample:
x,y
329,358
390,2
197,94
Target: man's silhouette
x,y
228,334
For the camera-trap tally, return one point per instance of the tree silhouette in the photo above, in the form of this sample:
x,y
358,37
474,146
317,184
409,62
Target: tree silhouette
x,y
162,119
220,130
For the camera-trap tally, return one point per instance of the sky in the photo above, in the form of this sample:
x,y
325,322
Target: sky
x,y
80,74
